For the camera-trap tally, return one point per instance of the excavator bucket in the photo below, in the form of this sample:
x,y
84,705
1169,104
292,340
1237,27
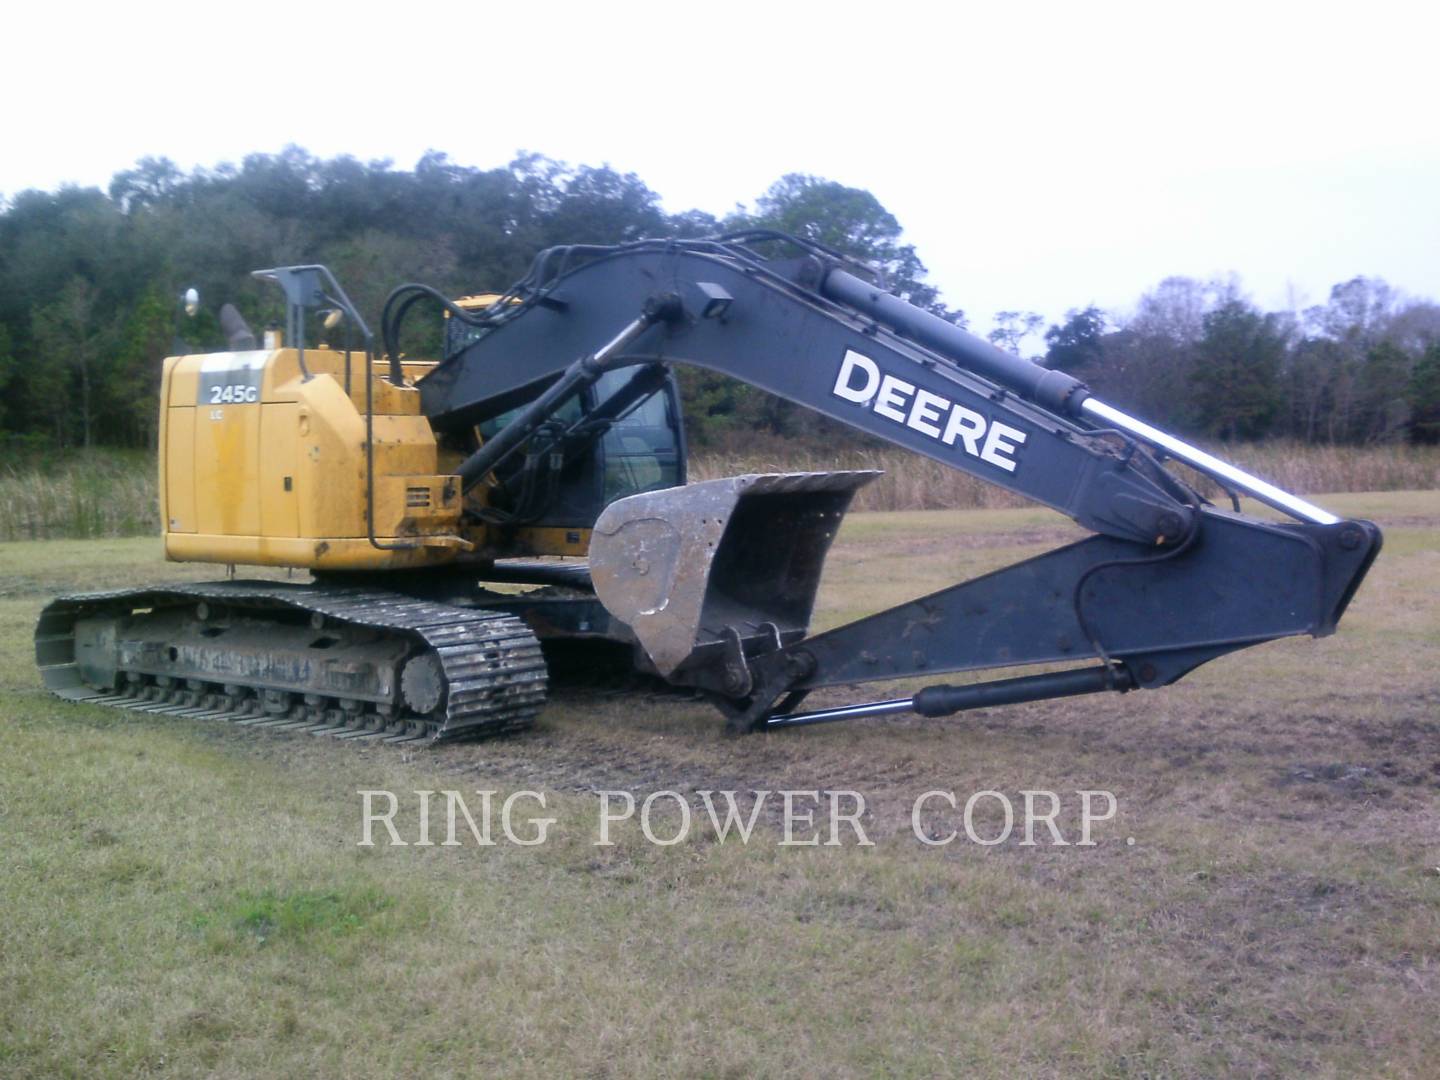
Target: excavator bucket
x,y
703,571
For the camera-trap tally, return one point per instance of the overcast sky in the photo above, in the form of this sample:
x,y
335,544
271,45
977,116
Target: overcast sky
x,y
1040,157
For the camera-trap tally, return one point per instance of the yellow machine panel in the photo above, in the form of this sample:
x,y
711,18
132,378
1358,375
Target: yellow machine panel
x,y
279,455
226,455
263,464
177,429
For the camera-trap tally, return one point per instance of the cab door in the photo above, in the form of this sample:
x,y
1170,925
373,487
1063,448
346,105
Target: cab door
x,y
645,449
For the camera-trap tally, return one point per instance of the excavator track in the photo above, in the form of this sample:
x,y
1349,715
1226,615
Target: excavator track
x,y
344,661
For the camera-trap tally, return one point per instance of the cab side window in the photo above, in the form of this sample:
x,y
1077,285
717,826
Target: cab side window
x,y
641,450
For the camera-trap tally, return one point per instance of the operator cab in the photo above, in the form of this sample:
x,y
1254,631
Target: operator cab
x,y
643,449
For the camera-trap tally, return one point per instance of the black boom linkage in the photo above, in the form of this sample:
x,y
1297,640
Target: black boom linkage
x,y
1167,583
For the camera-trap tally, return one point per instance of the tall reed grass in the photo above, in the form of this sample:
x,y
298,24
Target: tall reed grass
x,y
101,493
915,483
107,493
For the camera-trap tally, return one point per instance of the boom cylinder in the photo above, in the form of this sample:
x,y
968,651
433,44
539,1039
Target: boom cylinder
x,y
1054,390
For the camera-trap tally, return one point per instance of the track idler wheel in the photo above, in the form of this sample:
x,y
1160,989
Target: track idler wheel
x,y
422,684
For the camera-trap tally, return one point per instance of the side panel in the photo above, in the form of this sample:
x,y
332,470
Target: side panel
x,y
264,466
227,460
279,438
179,469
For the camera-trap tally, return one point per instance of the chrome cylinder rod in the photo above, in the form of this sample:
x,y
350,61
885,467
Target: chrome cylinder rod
x,y
1207,463
844,712
944,700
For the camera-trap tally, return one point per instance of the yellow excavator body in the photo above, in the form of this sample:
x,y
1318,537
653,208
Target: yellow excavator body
x,y
265,463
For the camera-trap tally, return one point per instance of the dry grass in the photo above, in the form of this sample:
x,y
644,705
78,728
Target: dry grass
x,y
915,483
114,494
187,898
101,493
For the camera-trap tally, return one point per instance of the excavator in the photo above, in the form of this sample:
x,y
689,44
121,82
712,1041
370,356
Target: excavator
x,y
529,487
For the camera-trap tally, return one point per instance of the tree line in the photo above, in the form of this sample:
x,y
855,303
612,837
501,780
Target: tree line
x,y
90,283
1197,356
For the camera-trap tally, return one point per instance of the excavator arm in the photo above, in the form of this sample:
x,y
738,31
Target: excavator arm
x,y
776,334
716,580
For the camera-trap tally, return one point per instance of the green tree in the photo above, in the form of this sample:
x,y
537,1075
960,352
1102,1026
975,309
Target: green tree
x,y
151,182
1236,372
1424,397
1308,387
1382,408
130,383
8,371
602,206
1077,345
852,221
1151,359
1357,313
73,341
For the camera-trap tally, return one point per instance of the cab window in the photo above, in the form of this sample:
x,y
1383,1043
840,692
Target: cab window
x,y
641,449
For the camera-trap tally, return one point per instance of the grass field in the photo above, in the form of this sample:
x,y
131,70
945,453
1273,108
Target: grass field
x,y
183,898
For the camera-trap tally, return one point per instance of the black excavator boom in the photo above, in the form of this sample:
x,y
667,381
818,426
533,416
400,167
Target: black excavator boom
x,y
1168,583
